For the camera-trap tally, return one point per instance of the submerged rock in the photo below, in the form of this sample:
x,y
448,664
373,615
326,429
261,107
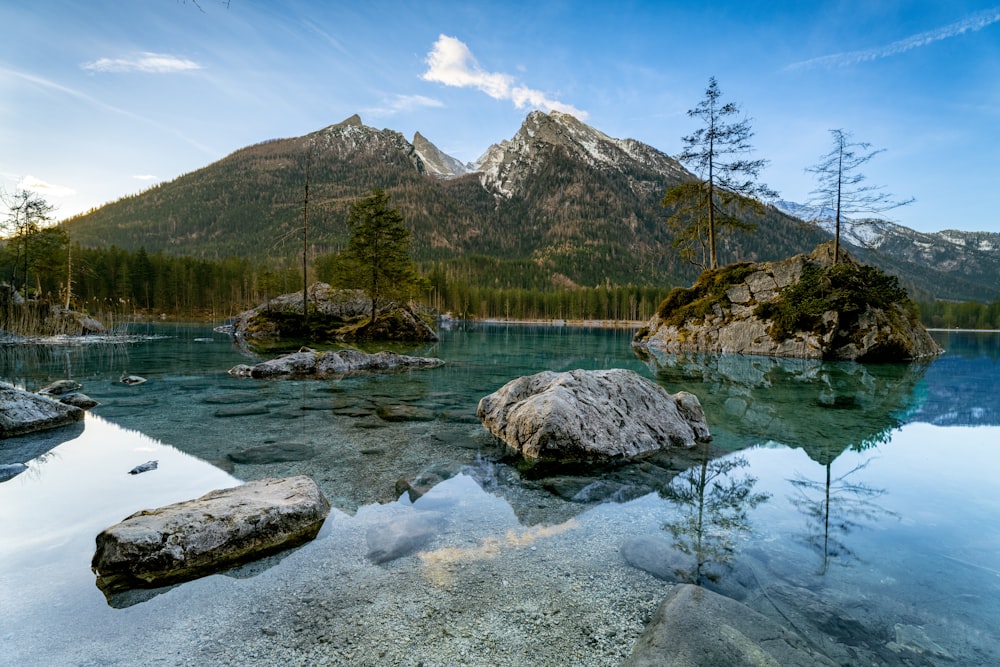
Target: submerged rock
x,y
219,530
22,412
591,415
402,536
803,307
695,627
308,362
79,400
273,453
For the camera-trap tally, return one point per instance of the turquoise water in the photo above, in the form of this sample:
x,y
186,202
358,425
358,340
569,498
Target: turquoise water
x,y
855,504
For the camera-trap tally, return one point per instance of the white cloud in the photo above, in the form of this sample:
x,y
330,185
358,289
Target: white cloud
x,y
451,62
144,177
971,23
41,187
149,63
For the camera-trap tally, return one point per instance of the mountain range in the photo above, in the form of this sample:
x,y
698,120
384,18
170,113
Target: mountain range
x,y
559,203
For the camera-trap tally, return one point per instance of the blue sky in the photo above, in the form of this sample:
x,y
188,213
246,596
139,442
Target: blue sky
x,y
100,99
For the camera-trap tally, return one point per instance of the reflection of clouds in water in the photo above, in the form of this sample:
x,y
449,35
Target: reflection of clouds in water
x,y
439,563
82,486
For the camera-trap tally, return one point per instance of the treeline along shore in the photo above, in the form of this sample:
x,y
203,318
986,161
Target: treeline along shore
x,y
125,284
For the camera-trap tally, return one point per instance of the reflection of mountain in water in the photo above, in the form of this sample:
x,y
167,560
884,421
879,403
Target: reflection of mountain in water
x,y
962,382
822,407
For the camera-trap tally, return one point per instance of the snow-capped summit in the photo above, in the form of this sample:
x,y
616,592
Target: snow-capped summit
x,y
435,161
505,166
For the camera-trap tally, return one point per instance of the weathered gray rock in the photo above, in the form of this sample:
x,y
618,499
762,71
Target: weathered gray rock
x,y
732,325
311,363
22,412
221,529
591,415
694,627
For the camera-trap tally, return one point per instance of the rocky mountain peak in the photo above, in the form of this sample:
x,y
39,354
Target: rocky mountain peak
x,y
505,166
435,161
353,121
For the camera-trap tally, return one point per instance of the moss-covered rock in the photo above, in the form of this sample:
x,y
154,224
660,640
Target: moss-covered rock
x,y
805,306
335,315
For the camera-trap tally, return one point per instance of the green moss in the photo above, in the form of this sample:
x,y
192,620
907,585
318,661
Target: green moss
x,y
696,302
847,288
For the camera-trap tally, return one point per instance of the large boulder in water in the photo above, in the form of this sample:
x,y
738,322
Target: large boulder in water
x,y
219,530
806,306
695,627
591,415
22,412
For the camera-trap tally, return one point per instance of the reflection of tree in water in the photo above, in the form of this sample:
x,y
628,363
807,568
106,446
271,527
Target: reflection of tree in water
x,y
714,504
836,507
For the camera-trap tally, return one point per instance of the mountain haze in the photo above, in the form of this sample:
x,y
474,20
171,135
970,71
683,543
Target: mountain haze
x,y
559,203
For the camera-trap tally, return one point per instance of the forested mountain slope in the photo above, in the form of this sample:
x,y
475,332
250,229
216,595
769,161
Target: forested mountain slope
x,y
558,204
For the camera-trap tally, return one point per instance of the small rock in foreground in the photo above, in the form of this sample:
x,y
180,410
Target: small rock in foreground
x,y
219,530
698,628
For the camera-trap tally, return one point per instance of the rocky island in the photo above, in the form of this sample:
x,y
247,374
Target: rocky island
x,y
338,315
807,306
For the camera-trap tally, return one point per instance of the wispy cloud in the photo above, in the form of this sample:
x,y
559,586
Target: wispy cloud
x,y
33,184
451,62
144,177
147,63
402,104
971,23
47,84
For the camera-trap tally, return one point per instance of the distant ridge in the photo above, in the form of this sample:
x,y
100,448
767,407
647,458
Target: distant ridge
x,y
559,203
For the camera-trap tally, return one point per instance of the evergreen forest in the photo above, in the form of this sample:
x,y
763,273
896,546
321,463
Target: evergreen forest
x,y
121,285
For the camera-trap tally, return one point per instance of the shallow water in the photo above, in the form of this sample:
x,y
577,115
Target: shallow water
x,y
865,516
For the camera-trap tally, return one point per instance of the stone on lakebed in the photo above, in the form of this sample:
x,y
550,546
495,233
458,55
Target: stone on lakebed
x,y
221,529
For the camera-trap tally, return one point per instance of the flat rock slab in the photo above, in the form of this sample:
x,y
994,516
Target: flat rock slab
x,y
219,530
694,627
22,412
311,363
591,415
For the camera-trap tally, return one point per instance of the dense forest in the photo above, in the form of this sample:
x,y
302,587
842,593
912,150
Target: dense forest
x,y
120,285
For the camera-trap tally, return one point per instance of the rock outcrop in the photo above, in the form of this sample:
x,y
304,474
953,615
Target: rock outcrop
x,y
591,415
311,363
695,627
22,412
800,307
335,315
219,530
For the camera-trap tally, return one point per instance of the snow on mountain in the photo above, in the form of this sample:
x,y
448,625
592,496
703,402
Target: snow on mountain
x,y
504,166
435,161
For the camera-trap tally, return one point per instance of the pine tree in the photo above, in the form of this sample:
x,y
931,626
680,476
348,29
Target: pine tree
x,y
717,153
376,258
840,191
